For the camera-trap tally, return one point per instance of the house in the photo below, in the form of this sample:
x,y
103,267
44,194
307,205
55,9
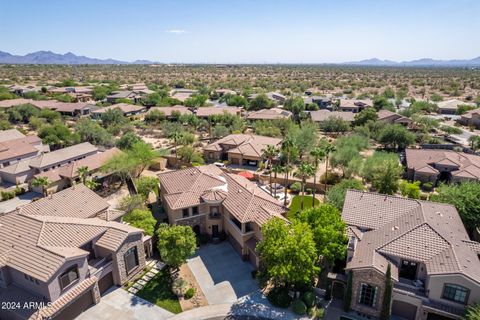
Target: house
x,y
451,106
273,96
182,94
320,116
73,109
23,171
15,147
22,89
354,106
435,267
6,104
167,111
321,102
470,118
388,116
239,149
65,176
124,94
213,203
72,249
126,108
269,114
435,165
205,112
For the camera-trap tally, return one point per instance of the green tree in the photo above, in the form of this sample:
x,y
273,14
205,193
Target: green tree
x,y
91,131
365,115
396,136
329,232
347,159
296,106
381,102
132,202
387,296
328,148
127,141
304,171
176,244
260,101
334,124
145,185
143,155
304,137
42,182
113,117
336,195
466,199
386,179
473,312
269,153
276,169
410,189
287,149
189,154
83,172
288,253
142,219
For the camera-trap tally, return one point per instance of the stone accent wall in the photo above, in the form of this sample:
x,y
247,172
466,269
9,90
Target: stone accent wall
x,y
193,221
96,293
374,278
120,275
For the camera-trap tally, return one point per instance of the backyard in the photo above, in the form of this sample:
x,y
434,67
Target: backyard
x,y
297,202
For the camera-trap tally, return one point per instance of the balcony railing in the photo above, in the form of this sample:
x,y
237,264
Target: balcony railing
x,y
409,289
215,216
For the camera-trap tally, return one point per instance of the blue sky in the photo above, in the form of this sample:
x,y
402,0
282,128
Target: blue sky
x,y
244,31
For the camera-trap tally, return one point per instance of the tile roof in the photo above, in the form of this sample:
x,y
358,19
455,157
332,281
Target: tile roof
x,y
425,160
10,134
452,104
322,115
246,144
38,238
60,155
392,117
210,111
241,197
125,107
17,148
168,110
427,232
269,114
13,102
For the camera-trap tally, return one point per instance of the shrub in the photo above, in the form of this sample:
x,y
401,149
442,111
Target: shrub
x,y
299,307
6,195
333,178
427,186
279,297
319,313
19,190
309,299
190,293
296,187
179,287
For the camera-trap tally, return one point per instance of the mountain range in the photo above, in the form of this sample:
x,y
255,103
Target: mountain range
x,y
48,57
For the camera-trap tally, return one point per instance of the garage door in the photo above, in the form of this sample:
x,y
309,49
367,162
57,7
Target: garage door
x,y
404,310
76,307
235,244
105,283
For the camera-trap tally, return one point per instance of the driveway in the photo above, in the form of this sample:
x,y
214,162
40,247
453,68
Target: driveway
x,y
221,273
118,304
18,201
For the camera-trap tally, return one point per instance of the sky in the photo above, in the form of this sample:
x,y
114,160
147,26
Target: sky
x,y
244,31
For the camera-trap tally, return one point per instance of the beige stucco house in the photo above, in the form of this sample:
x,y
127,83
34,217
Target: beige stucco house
x,y
239,149
62,252
216,203
434,264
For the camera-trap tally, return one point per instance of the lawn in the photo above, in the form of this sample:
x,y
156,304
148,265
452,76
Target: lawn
x,y
159,291
296,203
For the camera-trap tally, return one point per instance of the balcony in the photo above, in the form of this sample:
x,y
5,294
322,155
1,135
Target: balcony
x,y
409,287
215,216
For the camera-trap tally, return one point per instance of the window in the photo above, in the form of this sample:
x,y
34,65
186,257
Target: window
x,y
131,259
194,211
185,213
68,277
455,293
368,295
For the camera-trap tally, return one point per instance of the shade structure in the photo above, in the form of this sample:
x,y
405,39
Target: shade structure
x,y
246,174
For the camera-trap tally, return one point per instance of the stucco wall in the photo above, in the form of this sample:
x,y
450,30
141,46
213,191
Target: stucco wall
x,y
436,284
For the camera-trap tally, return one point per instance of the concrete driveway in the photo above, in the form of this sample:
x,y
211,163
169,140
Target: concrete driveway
x,y
221,273
18,201
118,304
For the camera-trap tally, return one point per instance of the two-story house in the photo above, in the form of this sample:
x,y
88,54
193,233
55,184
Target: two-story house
x,y
60,253
213,203
435,266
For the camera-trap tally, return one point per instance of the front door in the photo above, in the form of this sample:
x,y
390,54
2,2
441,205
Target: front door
x,y
215,233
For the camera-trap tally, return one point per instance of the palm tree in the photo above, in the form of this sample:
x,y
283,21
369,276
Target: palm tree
x,y
305,171
91,184
328,148
276,169
318,154
175,136
270,152
287,147
41,182
83,173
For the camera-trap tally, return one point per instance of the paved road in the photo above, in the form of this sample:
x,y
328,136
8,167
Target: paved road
x,y
222,274
118,304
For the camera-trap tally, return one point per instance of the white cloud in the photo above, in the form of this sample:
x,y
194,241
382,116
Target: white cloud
x,y
176,31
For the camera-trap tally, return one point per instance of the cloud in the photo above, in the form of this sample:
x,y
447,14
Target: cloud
x,y
176,31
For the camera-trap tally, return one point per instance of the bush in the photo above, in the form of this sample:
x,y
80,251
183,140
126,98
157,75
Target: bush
x,y
333,178
7,195
319,313
309,299
299,307
179,287
427,186
279,297
19,191
190,293
296,187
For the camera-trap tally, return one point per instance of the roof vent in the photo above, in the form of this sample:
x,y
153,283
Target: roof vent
x,y
395,228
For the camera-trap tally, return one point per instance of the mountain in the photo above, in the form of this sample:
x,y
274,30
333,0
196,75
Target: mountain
x,y
424,62
48,57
